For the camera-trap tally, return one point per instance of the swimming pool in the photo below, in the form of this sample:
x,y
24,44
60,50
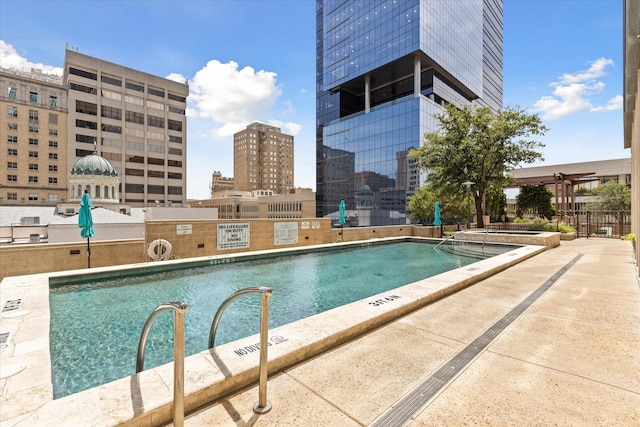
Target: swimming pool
x,y
95,327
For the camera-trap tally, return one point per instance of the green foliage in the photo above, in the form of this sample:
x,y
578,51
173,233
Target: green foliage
x,y
613,197
630,237
543,224
478,144
422,204
535,199
173,256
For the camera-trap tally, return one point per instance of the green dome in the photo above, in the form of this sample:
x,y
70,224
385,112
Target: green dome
x,y
93,164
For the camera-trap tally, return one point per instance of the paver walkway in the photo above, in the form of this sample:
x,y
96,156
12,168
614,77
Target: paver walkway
x,y
571,358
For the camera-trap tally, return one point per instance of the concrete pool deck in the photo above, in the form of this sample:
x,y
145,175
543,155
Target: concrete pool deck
x,y
571,358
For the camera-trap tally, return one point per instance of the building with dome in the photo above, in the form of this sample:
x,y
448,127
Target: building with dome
x,y
97,176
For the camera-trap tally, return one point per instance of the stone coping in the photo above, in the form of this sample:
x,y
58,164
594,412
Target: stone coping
x,y
146,398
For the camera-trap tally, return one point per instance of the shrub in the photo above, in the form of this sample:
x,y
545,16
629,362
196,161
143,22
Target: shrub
x,y
630,237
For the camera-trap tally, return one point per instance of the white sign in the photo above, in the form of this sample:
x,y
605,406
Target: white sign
x,y
233,236
183,229
285,233
316,224
304,225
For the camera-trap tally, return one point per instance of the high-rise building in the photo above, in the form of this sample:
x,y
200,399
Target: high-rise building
x,y
262,159
385,68
33,133
133,119
220,183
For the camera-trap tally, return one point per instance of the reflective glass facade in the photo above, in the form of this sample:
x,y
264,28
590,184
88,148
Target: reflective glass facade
x,y
384,68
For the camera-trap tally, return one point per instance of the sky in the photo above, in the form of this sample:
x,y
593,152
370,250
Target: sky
x,y
254,61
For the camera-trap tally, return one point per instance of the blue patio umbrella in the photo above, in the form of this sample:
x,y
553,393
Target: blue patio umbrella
x,y
437,220
85,222
342,209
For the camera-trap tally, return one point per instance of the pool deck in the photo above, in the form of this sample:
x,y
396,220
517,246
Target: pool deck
x,y
571,356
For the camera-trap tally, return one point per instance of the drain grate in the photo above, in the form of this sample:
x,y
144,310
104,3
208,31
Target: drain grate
x,y
11,305
401,412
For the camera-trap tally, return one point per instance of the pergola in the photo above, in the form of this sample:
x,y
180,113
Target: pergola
x,y
562,182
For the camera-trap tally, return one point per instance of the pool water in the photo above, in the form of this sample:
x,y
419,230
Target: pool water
x,y
95,327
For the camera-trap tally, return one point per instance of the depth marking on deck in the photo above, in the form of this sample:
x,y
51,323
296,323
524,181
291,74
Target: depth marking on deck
x,y
403,410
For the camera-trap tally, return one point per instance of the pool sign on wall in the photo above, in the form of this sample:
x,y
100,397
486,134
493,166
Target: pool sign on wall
x,y
233,236
285,233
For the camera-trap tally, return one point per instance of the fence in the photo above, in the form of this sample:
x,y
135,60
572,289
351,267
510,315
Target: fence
x,y
606,224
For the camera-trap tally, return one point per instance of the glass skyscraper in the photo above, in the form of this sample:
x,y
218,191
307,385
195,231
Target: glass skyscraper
x,y
384,69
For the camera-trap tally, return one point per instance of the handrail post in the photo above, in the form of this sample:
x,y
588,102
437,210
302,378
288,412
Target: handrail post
x,y
179,309
263,405
178,366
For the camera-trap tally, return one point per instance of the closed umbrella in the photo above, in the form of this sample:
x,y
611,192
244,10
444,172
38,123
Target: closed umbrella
x,y
85,222
437,220
342,208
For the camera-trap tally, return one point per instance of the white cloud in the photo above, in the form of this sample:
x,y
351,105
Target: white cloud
x,y
572,92
614,104
10,58
232,97
176,77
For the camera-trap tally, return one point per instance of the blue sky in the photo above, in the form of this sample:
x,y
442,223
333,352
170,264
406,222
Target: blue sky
x,y
254,60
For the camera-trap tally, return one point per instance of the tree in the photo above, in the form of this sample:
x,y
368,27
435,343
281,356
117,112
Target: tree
x,y
422,205
478,144
613,197
535,199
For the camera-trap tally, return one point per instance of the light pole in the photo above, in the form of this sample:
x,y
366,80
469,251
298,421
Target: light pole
x,y
468,184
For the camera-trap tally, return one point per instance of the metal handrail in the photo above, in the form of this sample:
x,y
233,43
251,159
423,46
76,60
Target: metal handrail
x,y
263,405
486,232
179,309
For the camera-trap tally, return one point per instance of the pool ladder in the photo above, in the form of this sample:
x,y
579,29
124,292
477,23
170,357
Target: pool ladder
x,y
263,405
486,231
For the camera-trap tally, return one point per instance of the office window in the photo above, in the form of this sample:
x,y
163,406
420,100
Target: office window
x,y
134,86
156,92
53,180
175,125
33,179
12,196
53,144
174,175
33,141
33,97
33,128
13,92
139,146
176,110
111,128
155,189
12,126
174,163
33,116
12,139
86,108
153,148
86,124
155,121
176,151
82,73
33,196
177,97
86,138
134,172
12,111
155,174
53,101
12,151
83,88
111,112
53,156
111,94
12,178
12,165
53,132
53,168
53,197
33,154
33,166
111,80
134,117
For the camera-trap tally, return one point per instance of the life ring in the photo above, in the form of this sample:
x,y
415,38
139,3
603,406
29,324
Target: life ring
x,y
159,249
